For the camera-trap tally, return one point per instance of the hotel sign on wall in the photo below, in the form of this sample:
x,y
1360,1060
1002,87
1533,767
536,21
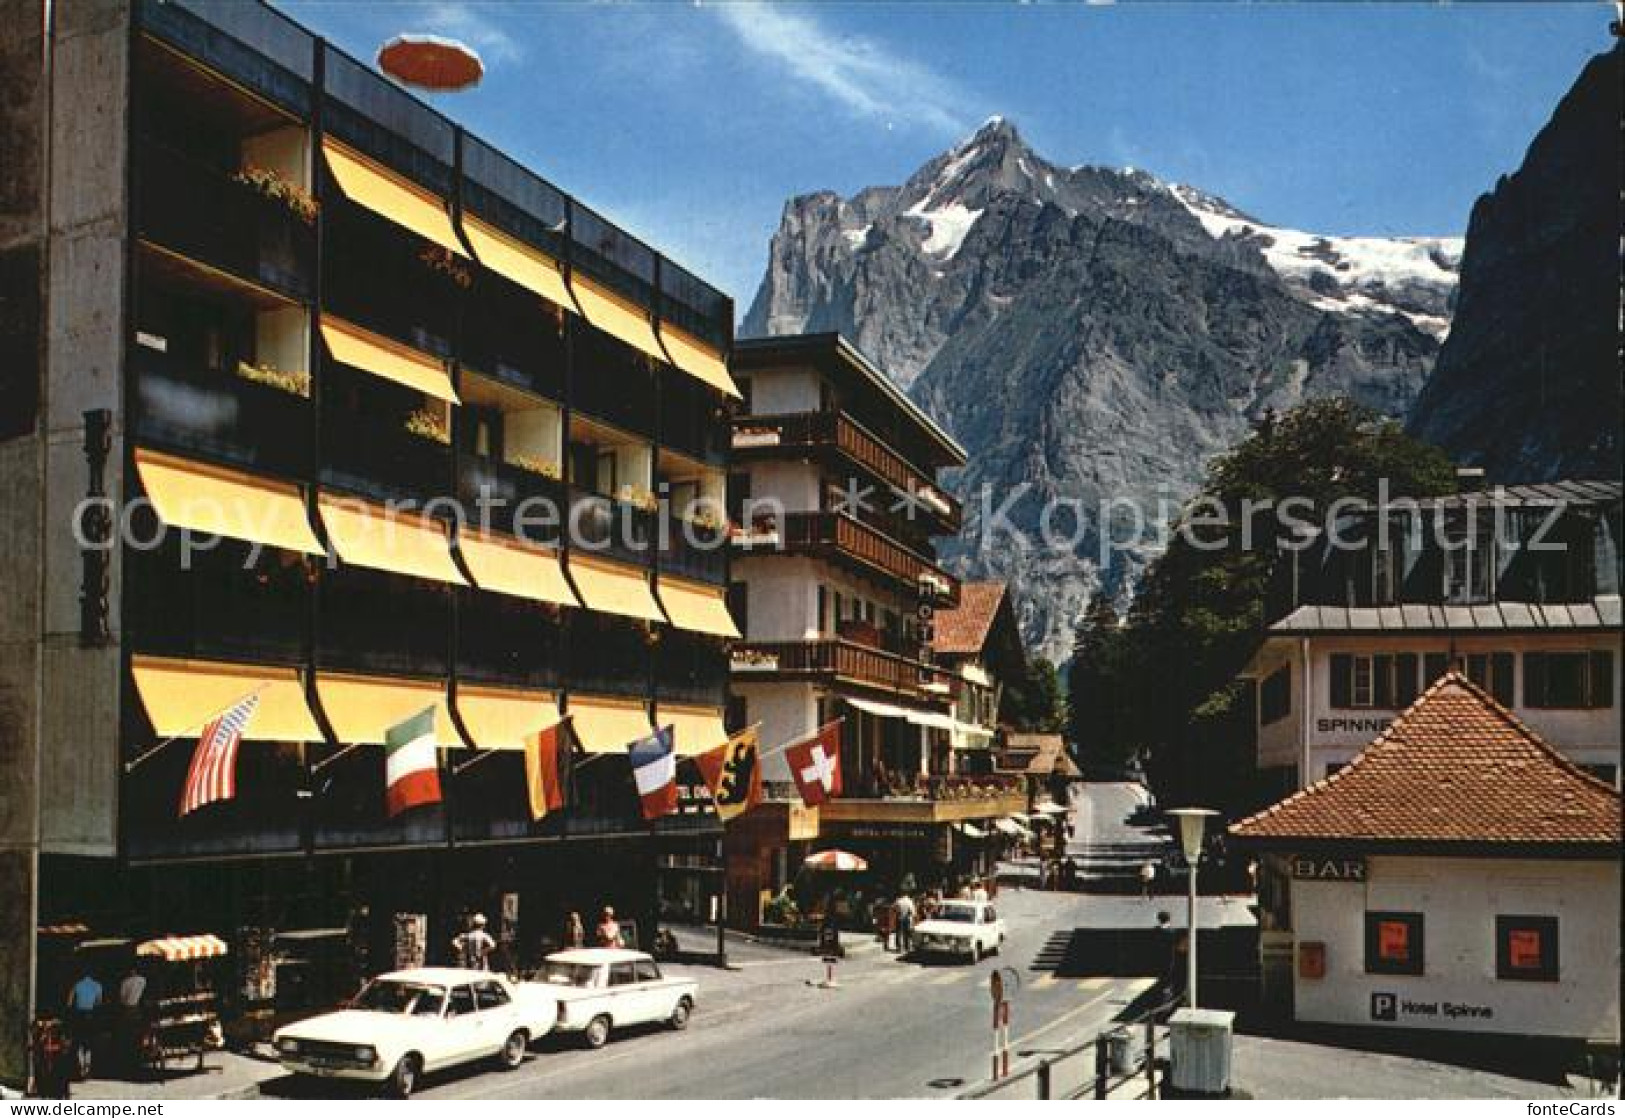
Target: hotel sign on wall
x,y
1327,869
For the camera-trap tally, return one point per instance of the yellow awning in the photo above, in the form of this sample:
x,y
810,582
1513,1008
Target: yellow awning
x,y
616,316
697,359
384,192
605,725
501,718
699,729
612,588
361,709
510,567
366,535
698,608
526,266
182,696
352,345
226,503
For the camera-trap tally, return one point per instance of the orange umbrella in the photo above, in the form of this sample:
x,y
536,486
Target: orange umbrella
x,y
430,62
837,861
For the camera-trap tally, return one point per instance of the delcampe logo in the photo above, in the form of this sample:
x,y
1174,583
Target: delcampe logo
x,y
1384,1007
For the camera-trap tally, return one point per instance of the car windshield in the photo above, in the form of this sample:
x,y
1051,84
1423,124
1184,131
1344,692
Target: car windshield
x,y
957,913
388,996
568,974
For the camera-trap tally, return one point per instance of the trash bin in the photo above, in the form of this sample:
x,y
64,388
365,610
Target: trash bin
x,y
1122,1052
1200,1056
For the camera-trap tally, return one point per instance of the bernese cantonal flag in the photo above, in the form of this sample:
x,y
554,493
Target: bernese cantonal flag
x,y
654,770
411,764
213,775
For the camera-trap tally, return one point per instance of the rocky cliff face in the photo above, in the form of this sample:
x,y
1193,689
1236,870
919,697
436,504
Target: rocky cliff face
x,y
1528,382
1093,337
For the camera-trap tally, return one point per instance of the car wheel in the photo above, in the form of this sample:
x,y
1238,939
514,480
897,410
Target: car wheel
x,y
597,1031
680,1014
404,1079
513,1050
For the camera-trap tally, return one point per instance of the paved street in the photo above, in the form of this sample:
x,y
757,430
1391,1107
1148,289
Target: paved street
x,y
891,1029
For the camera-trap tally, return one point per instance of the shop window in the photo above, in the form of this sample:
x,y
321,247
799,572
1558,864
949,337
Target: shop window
x,y
1574,680
1393,943
1526,948
1275,696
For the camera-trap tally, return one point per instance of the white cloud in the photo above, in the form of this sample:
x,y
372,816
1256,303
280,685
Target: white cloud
x,y
468,23
860,73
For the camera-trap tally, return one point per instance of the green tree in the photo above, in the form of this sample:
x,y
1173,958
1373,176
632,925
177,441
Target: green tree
x,y
1095,676
1032,702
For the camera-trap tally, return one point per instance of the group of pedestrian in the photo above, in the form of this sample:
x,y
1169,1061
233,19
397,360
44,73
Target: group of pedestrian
x,y
895,920
606,933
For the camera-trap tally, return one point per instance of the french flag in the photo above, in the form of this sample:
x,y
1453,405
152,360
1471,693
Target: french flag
x,y
654,770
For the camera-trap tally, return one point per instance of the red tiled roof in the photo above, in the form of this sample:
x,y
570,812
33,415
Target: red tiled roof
x,y
1457,767
1037,755
963,630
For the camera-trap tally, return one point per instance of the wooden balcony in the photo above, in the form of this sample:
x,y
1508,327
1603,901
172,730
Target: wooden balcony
x,y
942,799
839,661
845,539
839,435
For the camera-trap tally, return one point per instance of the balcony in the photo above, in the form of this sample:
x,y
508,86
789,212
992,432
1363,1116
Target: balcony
x,y
839,661
201,213
215,604
382,459
691,669
509,641
218,415
508,498
691,422
608,655
612,529
695,551
845,539
930,799
371,621
612,382
838,435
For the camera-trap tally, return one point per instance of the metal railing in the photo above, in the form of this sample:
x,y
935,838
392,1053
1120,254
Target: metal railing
x,y
839,658
1107,1065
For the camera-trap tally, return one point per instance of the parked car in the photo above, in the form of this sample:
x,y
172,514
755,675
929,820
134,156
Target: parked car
x,y
602,988
968,929
404,1024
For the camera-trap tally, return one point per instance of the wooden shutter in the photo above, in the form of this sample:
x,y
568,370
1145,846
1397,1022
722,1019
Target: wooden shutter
x,y
1342,669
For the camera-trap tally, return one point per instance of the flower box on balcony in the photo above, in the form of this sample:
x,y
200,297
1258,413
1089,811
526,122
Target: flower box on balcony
x,y
755,436
754,661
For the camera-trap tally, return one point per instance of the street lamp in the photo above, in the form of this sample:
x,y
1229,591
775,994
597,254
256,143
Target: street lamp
x,y
1192,821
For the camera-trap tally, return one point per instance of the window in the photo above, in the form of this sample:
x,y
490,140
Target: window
x,y
1383,682
1526,948
622,974
1393,943
1493,672
1576,680
491,995
462,1001
1469,557
647,970
1275,696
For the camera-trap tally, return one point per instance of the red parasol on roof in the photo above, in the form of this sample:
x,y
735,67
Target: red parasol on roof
x,y
430,62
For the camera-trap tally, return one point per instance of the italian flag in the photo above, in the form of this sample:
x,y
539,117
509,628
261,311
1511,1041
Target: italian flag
x,y
411,764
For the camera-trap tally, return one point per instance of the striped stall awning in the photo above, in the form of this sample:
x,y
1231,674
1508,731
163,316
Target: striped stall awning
x,y
183,949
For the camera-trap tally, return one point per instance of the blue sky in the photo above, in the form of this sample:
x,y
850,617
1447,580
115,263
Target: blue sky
x,y
691,123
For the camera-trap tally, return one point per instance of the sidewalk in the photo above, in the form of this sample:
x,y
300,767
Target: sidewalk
x,y
228,1075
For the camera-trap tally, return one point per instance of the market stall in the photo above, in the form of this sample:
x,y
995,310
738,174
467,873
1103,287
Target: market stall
x,y
183,1018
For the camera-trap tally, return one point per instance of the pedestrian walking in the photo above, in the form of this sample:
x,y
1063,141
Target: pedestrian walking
x,y
905,924
884,916
474,946
84,1003
608,931
575,932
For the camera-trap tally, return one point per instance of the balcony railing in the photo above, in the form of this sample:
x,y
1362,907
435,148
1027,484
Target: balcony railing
x,y
218,415
609,528
513,499
693,551
926,799
858,542
371,621
382,459
840,660
838,431
612,382
198,212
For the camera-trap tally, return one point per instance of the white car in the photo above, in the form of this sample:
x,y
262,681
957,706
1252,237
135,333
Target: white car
x,y
409,1022
600,988
961,928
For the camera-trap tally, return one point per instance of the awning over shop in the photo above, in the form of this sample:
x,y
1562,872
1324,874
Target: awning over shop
x,y
699,729
610,587
912,715
182,696
362,708
931,719
879,710
698,608
368,535
697,359
385,193
605,725
1012,828
510,567
226,503
353,345
183,949
526,266
970,830
616,316
502,718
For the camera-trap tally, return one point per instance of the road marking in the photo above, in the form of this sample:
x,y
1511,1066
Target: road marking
x,y
1045,981
1092,984
1026,1040
947,978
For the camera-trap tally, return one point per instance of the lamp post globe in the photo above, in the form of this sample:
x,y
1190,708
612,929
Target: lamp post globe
x,y
1192,822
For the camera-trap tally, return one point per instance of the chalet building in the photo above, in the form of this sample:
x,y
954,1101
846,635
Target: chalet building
x,y
836,588
1520,587
1457,875
255,290
979,642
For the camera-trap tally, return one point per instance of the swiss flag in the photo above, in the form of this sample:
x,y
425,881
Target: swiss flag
x,y
816,765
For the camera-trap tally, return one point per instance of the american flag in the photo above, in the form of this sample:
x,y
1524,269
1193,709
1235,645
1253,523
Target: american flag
x,y
213,775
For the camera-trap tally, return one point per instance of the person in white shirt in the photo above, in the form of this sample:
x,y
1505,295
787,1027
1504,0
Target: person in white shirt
x,y
978,891
474,946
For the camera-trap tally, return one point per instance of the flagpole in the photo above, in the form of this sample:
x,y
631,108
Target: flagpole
x,y
141,758
480,755
345,752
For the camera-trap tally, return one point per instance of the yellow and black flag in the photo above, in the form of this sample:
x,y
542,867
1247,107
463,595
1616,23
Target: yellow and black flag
x,y
733,772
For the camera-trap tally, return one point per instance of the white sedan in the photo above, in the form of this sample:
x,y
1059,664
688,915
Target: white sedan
x,y
600,988
414,1021
969,929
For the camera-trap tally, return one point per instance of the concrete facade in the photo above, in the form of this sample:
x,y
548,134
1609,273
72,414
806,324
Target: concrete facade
x,y
1459,899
